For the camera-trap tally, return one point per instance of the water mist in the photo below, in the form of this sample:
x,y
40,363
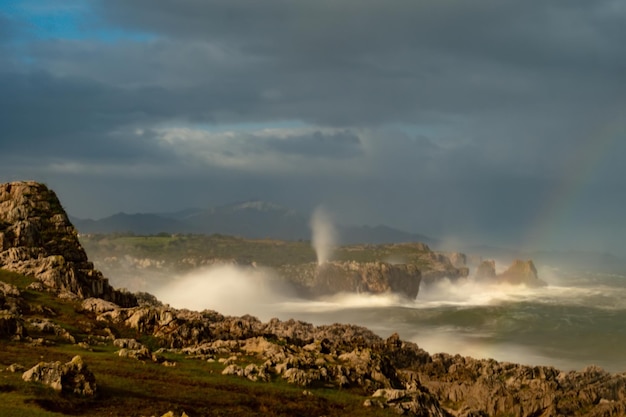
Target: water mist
x,y
323,234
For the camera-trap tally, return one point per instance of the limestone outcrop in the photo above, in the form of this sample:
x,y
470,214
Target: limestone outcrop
x,y
38,240
412,381
520,272
486,271
355,277
72,377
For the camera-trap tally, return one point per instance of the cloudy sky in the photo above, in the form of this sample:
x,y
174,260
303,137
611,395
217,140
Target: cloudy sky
x,y
497,122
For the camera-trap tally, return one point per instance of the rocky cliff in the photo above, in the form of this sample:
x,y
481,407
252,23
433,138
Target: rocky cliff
x,y
370,277
38,240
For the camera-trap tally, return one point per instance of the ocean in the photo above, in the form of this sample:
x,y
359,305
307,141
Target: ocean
x,y
578,319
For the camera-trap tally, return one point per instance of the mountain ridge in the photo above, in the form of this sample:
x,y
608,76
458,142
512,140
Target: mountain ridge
x,y
249,219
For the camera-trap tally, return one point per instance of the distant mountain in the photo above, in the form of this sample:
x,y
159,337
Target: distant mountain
x,y
251,219
140,223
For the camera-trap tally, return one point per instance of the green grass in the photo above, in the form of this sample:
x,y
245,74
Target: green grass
x,y
131,388
273,253
20,281
127,387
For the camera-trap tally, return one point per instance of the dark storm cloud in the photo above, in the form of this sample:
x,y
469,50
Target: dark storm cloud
x,y
442,116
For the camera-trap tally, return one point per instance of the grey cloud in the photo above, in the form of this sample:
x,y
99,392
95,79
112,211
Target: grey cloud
x,y
317,144
498,103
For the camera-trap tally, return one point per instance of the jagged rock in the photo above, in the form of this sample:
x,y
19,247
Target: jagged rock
x,y
409,402
131,344
521,272
486,270
437,266
458,259
11,325
72,377
10,298
49,327
38,240
141,354
9,290
370,277
98,305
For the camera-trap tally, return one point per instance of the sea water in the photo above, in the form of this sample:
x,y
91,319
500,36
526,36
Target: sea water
x,y
578,319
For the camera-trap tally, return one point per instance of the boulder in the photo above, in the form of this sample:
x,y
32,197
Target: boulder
x,y
72,377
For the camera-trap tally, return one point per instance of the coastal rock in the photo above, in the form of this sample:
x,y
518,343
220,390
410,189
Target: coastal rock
x,y
72,377
438,266
38,240
355,277
521,272
486,271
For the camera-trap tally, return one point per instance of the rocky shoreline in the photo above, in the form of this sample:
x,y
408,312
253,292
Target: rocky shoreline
x,y
37,240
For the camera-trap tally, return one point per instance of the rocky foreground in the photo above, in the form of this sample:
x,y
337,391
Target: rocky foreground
x,y
37,241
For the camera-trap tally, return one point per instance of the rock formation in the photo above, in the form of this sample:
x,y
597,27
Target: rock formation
x,y
520,272
440,265
367,277
38,240
72,377
395,373
486,271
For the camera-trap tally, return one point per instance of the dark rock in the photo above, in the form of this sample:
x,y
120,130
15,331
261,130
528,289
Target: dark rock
x,y
355,277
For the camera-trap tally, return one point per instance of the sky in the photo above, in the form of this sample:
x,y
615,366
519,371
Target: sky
x,y
485,122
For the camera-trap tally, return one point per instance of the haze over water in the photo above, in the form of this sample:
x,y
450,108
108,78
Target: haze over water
x,y
575,321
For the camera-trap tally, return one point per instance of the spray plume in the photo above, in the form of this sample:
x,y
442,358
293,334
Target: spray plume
x,y
323,234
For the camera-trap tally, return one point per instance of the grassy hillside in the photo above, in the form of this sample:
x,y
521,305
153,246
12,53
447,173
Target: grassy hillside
x,y
128,387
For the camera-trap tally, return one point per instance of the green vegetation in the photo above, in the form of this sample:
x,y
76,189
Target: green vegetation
x,y
274,253
128,387
173,248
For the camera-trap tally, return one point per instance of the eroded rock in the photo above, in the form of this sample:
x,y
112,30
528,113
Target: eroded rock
x,y
72,377
38,240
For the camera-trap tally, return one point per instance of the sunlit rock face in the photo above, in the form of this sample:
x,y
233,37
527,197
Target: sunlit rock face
x,y
519,273
38,240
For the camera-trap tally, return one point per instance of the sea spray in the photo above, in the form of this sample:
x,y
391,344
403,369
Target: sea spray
x,y
228,289
323,236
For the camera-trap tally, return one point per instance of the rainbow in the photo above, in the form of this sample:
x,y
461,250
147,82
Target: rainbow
x,y
578,172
